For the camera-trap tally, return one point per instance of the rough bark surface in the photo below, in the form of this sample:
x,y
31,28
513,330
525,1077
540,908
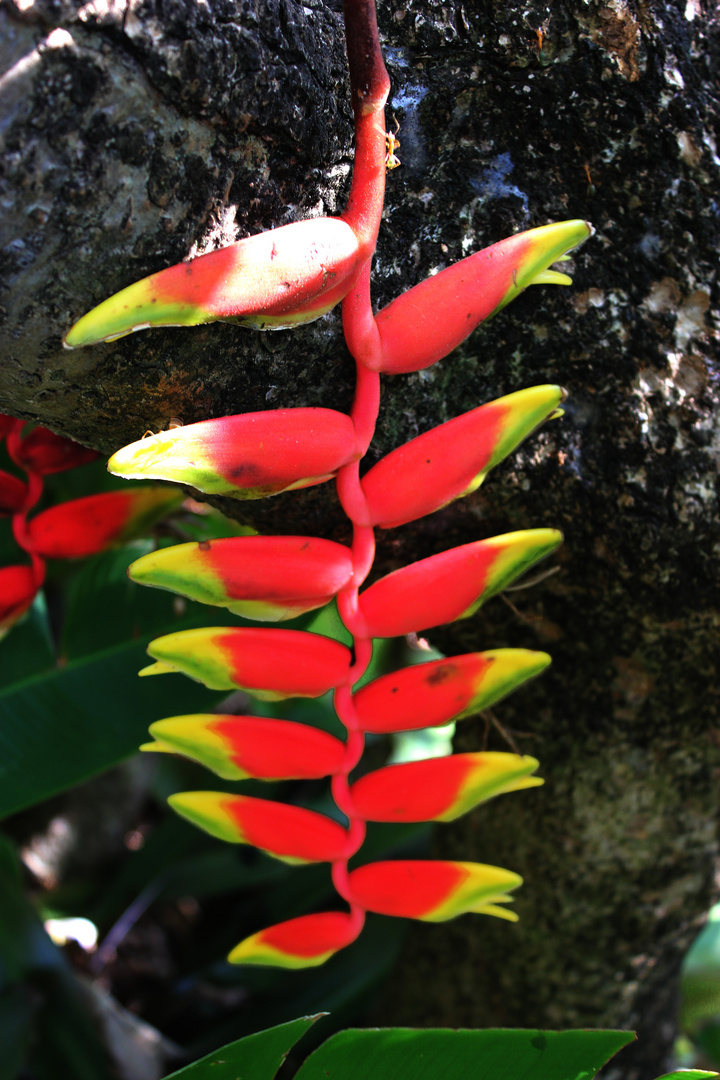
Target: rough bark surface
x,y
135,134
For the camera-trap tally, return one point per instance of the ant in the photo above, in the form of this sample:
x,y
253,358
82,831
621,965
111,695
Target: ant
x,y
173,422
540,31
392,162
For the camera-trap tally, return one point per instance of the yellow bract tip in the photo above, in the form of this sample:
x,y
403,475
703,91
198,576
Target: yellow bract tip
x,y
158,668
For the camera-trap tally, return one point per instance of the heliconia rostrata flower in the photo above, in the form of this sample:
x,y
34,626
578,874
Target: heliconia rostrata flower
x,y
43,451
280,278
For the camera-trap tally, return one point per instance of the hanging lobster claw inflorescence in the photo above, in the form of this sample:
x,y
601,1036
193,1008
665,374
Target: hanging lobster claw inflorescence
x,y
282,278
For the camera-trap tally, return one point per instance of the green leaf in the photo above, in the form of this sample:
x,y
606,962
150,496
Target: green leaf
x,y
256,1057
405,1054
68,724
104,608
707,1040
28,648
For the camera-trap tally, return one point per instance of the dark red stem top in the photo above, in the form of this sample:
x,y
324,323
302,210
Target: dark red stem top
x,y
369,87
369,81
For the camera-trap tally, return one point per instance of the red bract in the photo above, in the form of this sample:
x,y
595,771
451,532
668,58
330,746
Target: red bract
x,y
451,585
439,789
237,747
453,459
44,452
269,664
17,592
428,322
429,695
248,456
261,577
273,280
287,832
304,942
71,530
86,526
7,423
432,891
13,493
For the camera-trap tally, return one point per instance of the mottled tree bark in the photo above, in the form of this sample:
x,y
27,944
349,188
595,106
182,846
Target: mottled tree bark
x,y
135,134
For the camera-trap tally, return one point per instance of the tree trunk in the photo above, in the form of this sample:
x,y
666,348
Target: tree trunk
x,y
137,134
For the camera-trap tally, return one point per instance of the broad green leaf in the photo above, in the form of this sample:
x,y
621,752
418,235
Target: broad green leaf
x,y
65,725
405,1054
28,648
104,608
256,1057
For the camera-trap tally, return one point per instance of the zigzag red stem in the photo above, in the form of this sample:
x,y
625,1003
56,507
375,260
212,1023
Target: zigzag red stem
x,y
370,85
364,416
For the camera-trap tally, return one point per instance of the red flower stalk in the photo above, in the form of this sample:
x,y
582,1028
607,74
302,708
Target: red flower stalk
x,y
275,578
